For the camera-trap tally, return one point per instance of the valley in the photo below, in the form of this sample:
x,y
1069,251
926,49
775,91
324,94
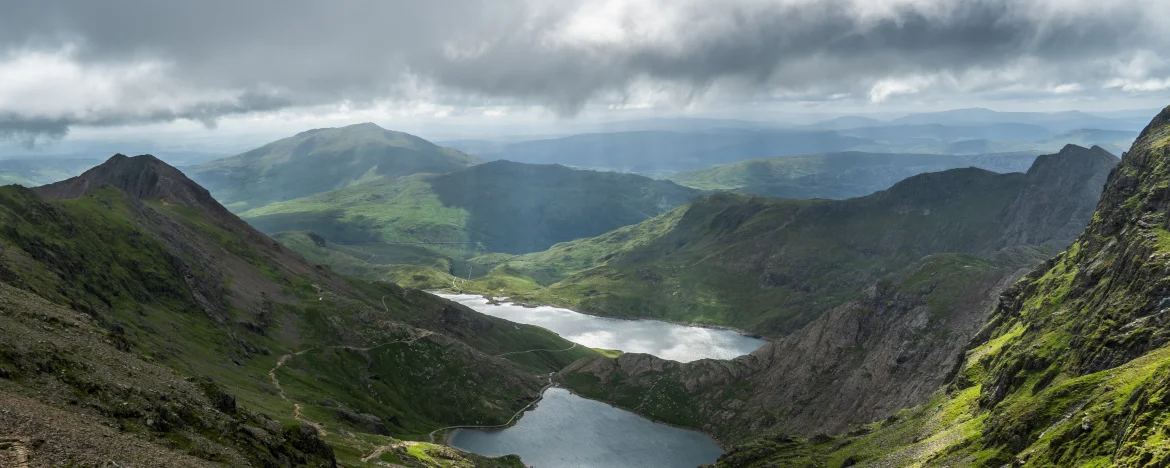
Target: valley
x,y
585,234
511,314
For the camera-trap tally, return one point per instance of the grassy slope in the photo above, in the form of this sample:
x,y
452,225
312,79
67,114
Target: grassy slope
x,y
321,160
1073,370
741,407
748,261
493,207
105,255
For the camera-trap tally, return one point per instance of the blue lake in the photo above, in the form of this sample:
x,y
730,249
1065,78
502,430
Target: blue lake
x,y
567,431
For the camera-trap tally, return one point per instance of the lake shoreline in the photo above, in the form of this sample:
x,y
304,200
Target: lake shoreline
x,y
447,438
532,305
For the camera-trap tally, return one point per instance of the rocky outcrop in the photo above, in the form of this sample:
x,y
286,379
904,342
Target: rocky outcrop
x,y
886,350
143,177
1042,214
1073,366
898,339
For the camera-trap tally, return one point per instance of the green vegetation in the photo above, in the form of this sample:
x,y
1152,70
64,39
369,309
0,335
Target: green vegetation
x,y
194,291
494,207
838,175
809,381
319,161
767,265
1072,370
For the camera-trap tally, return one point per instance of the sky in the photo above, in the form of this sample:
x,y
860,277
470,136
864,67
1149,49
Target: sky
x,y
225,71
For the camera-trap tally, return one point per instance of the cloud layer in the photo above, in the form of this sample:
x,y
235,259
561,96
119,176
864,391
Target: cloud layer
x,y
65,63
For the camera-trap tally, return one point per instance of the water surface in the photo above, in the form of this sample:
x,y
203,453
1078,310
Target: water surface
x,y
568,431
663,339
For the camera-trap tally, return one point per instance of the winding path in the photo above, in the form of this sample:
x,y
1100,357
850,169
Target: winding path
x,y
539,396
535,350
283,359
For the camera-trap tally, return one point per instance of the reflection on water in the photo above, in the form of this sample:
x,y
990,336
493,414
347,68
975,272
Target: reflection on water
x,y
566,430
662,339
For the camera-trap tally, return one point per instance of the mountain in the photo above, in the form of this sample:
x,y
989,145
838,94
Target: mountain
x,y
837,175
1069,370
1114,141
888,347
771,266
145,324
915,134
669,151
500,206
319,161
846,122
1054,121
31,172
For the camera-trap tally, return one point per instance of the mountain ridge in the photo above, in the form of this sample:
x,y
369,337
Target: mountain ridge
x,y
1069,370
158,272
790,258
320,160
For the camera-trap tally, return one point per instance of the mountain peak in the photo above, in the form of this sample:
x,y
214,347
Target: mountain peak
x,y
144,177
1047,210
1072,158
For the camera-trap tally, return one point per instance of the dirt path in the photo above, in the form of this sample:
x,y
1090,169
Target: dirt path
x,y
535,350
379,450
539,396
284,359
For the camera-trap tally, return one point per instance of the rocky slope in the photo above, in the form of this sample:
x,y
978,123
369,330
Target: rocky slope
x,y
321,160
139,304
771,266
884,350
1071,369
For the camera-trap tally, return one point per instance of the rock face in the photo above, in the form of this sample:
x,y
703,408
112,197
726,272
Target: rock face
x,y
144,177
771,266
1042,213
887,348
1073,366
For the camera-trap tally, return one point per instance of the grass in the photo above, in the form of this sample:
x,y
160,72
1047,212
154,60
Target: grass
x,y
491,208
321,160
177,287
1073,369
748,262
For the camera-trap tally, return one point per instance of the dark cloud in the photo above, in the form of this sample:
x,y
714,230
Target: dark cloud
x,y
29,130
259,56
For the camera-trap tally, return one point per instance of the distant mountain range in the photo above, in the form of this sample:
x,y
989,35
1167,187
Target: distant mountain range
x,y
657,151
663,152
838,175
771,265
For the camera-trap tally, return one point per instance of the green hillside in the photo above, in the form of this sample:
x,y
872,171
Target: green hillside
x,y
500,207
134,262
838,175
772,265
319,161
1073,368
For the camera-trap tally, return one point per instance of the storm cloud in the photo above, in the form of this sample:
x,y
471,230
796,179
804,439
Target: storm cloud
x,y
118,62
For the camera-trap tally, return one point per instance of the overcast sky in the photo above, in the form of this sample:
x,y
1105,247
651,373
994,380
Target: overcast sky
x,y
220,67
